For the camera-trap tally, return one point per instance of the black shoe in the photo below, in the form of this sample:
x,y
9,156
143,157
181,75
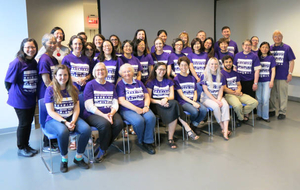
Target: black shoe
x,y
196,130
33,151
24,152
272,113
81,164
149,148
238,123
64,167
259,118
281,116
266,120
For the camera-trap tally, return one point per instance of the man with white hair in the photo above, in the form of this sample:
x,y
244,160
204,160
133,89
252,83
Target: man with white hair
x,y
285,57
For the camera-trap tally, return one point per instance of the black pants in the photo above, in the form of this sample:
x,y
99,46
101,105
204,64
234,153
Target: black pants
x,y
247,88
107,131
25,117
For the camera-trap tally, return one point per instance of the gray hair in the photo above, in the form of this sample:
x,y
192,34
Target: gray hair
x,y
277,32
46,38
124,66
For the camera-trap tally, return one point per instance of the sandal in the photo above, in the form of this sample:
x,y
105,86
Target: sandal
x,y
172,144
192,135
131,130
125,133
73,145
246,118
224,137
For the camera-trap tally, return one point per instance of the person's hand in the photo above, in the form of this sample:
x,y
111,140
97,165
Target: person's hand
x,y
139,111
289,78
70,125
198,79
219,103
271,84
145,109
163,101
81,81
108,117
254,87
196,105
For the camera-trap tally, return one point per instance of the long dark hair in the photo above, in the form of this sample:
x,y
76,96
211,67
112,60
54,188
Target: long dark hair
x,y
152,75
73,38
259,54
194,41
146,41
21,54
211,51
135,47
101,56
93,48
117,48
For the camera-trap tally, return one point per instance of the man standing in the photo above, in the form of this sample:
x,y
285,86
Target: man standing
x,y
285,57
201,35
232,47
233,94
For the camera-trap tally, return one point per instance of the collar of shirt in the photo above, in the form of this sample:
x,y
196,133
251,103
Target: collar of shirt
x,y
133,81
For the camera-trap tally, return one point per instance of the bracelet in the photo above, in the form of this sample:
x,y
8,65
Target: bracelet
x,y
147,107
255,83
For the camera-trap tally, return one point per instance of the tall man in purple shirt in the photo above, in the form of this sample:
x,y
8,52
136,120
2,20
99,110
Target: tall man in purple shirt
x,y
285,57
232,47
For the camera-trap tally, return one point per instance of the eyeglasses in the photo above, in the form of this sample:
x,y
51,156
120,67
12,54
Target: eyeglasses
x,y
178,44
30,47
87,49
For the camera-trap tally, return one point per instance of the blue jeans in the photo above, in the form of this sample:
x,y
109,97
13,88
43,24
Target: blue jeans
x,y
199,91
143,124
63,133
263,95
197,115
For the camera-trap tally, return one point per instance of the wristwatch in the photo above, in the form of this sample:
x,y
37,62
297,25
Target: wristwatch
x,y
255,83
290,73
63,121
147,107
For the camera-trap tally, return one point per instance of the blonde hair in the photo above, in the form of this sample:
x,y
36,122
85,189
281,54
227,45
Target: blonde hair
x,y
188,39
71,89
97,65
208,73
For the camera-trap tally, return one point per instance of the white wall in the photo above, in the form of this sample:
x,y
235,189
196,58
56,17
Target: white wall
x,y
43,15
90,8
261,18
14,30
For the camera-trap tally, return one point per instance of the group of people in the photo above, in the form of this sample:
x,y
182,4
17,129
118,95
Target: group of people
x,y
130,81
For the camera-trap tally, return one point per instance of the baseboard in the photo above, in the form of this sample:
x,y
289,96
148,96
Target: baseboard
x,y
294,99
12,130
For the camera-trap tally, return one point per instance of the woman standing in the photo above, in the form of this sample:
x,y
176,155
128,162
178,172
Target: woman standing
x,y
46,65
78,64
166,48
173,68
98,41
254,40
89,51
186,93
141,34
140,52
161,92
159,55
101,106
21,83
111,61
135,101
184,36
265,81
115,40
61,100
213,84
208,47
61,50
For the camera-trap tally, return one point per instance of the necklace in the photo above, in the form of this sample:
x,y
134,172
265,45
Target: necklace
x,y
58,52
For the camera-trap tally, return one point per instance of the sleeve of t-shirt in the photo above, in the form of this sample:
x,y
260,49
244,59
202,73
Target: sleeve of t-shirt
x,y
238,77
151,62
66,62
256,61
49,95
291,55
236,49
120,89
176,84
170,59
91,66
12,72
150,84
142,85
235,61
115,94
190,57
195,82
273,62
44,66
223,80
140,67
152,49
88,92
171,83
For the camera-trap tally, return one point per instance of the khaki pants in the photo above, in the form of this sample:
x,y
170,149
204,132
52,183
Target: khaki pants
x,y
237,101
280,92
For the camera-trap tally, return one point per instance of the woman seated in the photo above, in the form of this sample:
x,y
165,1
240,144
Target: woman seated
x,y
186,93
161,91
213,84
101,106
61,99
134,100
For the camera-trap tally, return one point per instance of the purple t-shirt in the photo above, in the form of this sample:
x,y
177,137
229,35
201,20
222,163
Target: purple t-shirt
x,y
187,85
232,78
102,95
23,78
267,64
255,52
283,55
112,67
46,66
96,56
199,62
160,89
232,47
146,61
168,49
245,65
187,51
79,67
65,108
173,59
219,55
164,57
134,62
215,87
134,93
